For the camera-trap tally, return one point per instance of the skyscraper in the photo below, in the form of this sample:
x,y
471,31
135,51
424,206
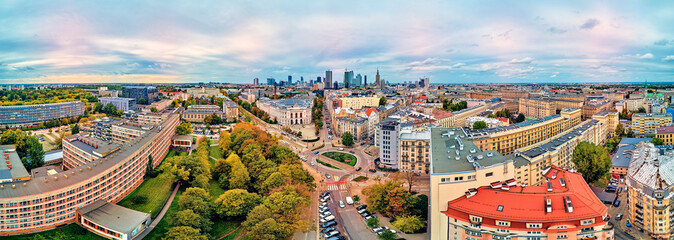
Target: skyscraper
x,y
336,86
328,79
318,79
290,80
256,81
365,80
271,81
348,78
358,81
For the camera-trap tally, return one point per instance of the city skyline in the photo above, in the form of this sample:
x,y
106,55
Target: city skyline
x,y
458,42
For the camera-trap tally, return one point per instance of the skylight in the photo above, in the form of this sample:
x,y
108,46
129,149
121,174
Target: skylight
x,y
500,208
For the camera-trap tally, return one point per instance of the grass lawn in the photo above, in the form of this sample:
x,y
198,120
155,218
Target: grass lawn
x,y
215,152
157,190
211,142
162,227
221,227
327,164
72,230
342,157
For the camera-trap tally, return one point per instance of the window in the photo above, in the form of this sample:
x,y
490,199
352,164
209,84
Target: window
x,y
489,174
500,208
563,236
534,225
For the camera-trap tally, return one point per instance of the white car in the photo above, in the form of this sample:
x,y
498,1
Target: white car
x,y
325,214
341,204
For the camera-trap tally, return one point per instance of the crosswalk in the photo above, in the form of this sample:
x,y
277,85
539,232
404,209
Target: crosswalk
x,y
335,187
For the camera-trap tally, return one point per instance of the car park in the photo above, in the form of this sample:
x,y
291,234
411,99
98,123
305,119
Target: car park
x,y
327,230
341,204
331,234
328,224
361,207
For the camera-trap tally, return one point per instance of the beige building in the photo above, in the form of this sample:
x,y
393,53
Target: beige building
x,y
230,110
443,118
461,116
591,108
543,107
358,127
203,92
608,118
414,150
358,102
197,113
645,124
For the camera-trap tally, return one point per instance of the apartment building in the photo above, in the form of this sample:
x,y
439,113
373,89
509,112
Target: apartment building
x,y
125,104
645,124
357,126
358,102
123,132
504,210
21,116
461,116
443,118
81,149
650,205
491,122
543,107
509,138
52,196
665,133
609,118
591,108
414,150
389,134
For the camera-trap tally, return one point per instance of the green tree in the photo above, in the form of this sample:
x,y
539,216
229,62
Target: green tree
x,y
630,133
347,139
641,110
236,203
657,141
98,107
189,218
479,125
382,101
196,199
387,235
409,224
110,109
257,215
520,118
142,100
591,160
154,109
491,115
373,222
184,233
184,129
75,129
620,130
34,152
213,119
266,229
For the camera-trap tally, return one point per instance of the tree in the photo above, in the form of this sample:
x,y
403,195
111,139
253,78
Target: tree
x,y
479,125
257,215
189,218
373,222
75,129
236,203
142,100
641,110
347,139
184,233
238,176
213,119
591,160
520,118
382,101
630,133
657,141
34,152
98,107
612,143
387,235
620,130
154,109
409,178
409,224
110,109
184,129
196,199
266,229
491,115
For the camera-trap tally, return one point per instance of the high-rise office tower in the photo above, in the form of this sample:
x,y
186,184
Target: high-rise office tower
x,y
271,81
336,86
365,80
328,79
256,81
290,80
348,78
358,80
318,79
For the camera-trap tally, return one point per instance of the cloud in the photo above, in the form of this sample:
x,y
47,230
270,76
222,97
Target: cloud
x,y
645,56
525,60
664,42
556,30
668,58
590,23
283,70
553,76
458,65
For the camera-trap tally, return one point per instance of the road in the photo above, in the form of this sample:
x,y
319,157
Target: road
x,y
619,226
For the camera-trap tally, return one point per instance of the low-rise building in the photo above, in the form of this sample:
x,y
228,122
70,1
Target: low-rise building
x,y
230,109
11,166
645,124
491,122
288,111
358,127
112,221
665,133
197,113
623,153
125,104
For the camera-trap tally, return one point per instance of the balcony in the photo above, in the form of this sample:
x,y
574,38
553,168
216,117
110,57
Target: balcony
x,y
639,217
640,212
639,206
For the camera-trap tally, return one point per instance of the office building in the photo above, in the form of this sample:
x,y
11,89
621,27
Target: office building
x,y
348,78
328,79
256,82
125,104
389,134
645,124
623,154
290,80
146,93
20,116
271,81
564,209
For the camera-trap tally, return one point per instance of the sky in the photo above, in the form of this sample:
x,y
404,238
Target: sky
x,y
236,41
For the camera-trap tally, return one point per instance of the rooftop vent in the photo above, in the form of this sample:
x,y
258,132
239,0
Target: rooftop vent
x,y
554,176
505,187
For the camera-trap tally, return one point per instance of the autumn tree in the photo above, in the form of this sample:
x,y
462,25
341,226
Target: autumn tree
x,y
189,218
409,224
620,130
196,199
225,143
236,203
184,233
238,177
184,129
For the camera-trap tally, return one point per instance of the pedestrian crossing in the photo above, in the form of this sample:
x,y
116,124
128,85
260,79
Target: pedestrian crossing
x,y
335,187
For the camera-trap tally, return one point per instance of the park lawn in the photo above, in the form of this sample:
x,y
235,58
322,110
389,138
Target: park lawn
x,y
222,227
157,190
215,152
71,230
162,227
342,157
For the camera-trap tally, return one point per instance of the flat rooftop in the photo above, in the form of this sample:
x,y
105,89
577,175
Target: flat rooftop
x,y
14,169
92,145
553,144
445,144
113,216
486,131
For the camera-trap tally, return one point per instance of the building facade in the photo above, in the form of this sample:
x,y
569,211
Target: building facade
x,y
358,102
149,93
125,104
20,116
414,150
389,133
288,111
645,124
230,109
358,127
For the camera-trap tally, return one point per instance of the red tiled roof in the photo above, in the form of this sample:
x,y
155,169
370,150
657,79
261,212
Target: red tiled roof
x,y
440,114
417,101
503,119
527,204
423,97
665,129
369,111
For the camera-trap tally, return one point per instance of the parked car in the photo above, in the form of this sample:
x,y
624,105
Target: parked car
x,y
325,214
349,200
361,207
328,224
316,152
323,204
326,193
616,203
619,216
341,204
340,149
313,164
325,199
365,214
362,211
620,189
327,219
372,170
378,229
336,238
358,169
331,234
327,230
327,175
627,223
